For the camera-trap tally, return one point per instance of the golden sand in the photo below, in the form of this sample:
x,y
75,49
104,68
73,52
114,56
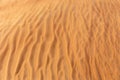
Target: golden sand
x,y
59,39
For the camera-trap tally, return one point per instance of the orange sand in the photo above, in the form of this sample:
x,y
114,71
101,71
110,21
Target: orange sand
x,y
59,39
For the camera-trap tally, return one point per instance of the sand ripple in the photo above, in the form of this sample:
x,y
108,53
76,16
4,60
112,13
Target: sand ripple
x,y
60,40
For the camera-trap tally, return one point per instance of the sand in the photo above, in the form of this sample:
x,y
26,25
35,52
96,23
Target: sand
x,y
59,40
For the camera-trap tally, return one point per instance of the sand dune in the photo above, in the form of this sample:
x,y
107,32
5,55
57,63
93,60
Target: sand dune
x,y
59,40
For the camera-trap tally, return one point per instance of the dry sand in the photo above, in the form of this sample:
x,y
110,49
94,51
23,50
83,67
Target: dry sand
x,y
59,39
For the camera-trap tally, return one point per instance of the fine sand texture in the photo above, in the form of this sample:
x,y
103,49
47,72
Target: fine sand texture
x,y
59,39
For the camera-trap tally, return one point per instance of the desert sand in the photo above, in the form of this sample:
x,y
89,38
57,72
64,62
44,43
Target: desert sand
x,y
59,39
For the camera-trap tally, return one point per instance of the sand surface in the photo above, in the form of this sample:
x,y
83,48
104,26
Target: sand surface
x,y
59,39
